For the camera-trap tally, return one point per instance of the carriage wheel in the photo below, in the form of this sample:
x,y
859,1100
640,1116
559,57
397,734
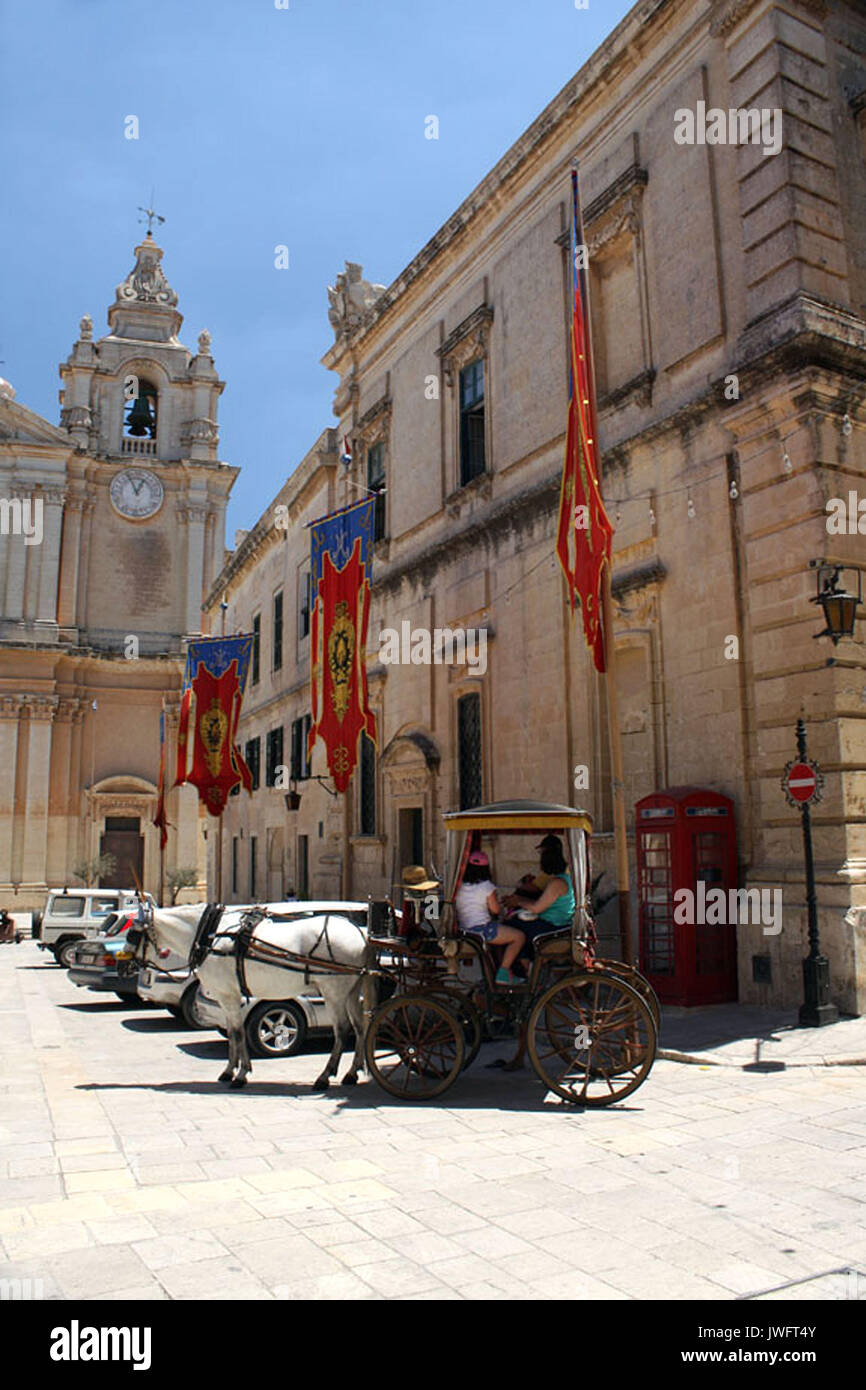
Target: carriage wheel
x,y
415,1047
470,1020
637,981
592,1039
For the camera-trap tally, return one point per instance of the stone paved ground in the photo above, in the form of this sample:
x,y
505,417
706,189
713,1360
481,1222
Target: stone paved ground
x,y
127,1171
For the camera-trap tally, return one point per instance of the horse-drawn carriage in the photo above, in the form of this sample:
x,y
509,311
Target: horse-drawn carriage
x,y
590,1026
420,997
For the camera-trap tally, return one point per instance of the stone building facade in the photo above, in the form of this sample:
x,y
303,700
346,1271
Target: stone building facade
x,y
94,612
728,300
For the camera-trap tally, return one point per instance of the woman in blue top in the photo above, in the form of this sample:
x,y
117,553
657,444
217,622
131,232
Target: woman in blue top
x,y
554,910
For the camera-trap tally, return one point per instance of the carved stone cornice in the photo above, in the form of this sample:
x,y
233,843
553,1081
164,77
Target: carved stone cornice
x,y
188,514
76,417
70,711
650,572
10,706
42,708
729,13
470,339
108,802
53,496
200,431
640,389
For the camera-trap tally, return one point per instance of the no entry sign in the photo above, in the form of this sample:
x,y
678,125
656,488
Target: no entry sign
x,y
802,782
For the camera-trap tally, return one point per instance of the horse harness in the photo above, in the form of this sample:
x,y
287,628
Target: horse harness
x,y
245,947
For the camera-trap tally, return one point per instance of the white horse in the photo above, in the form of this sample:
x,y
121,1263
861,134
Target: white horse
x,y
326,937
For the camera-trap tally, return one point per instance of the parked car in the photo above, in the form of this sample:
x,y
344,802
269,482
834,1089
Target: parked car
x,y
279,1027
101,962
73,914
274,1027
172,986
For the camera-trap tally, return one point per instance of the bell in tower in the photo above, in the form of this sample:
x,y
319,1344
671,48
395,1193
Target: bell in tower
x,y
141,418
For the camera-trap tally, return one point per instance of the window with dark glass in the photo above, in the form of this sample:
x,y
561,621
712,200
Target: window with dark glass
x,y
469,750
376,484
277,652
234,863
257,642
253,760
368,786
304,591
273,755
300,763
471,421
254,845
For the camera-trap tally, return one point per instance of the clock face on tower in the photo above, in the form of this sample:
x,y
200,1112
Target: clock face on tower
x,y
136,493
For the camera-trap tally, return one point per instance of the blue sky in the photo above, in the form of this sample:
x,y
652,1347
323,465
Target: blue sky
x,y
258,127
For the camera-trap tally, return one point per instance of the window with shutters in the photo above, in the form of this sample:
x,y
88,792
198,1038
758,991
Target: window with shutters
x,y
367,792
376,485
253,760
277,649
257,642
274,755
300,763
472,461
254,846
304,604
469,751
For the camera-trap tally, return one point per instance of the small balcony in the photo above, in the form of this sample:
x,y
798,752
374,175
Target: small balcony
x,y
139,448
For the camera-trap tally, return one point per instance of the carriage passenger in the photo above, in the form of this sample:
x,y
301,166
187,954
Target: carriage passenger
x,y
554,909
477,908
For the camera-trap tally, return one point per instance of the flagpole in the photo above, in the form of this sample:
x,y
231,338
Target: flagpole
x,y
620,833
218,847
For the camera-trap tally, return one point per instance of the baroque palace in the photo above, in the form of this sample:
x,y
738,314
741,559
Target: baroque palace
x,y
728,292
125,505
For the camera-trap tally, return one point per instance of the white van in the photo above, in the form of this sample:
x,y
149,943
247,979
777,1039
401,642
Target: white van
x,y
71,914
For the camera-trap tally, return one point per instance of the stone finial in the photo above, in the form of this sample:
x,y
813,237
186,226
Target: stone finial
x,y
146,281
350,298
7,390
204,341
85,328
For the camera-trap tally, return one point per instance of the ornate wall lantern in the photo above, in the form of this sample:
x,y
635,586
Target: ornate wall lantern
x,y
839,604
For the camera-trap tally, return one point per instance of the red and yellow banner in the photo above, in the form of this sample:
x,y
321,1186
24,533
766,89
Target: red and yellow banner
x,y
583,543
341,553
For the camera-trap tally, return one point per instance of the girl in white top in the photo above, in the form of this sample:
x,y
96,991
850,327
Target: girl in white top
x,y
477,907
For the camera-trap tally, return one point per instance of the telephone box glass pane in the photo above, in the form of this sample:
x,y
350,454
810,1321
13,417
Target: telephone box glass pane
x,y
657,902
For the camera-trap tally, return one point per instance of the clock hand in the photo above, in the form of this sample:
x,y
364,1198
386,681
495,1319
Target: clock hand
x,y
135,489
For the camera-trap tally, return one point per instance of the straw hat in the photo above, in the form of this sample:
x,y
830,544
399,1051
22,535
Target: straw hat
x,y
415,877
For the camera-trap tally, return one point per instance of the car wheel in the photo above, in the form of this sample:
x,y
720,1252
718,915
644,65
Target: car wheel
x,y
187,1010
275,1029
64,952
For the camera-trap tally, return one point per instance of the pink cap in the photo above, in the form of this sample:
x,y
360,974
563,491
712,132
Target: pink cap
x,y
480,858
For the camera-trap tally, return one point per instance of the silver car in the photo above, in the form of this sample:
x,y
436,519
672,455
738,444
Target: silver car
x,y
279,1027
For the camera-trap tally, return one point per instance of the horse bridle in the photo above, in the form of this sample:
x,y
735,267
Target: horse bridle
x,y
140,934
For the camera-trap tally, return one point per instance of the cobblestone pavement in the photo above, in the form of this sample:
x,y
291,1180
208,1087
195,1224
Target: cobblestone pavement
x,y
128,1171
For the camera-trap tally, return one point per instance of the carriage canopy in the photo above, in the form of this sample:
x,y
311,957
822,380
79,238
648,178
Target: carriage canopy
x,y
464,830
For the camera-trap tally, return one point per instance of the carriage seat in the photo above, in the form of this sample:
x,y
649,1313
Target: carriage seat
x,y
553,943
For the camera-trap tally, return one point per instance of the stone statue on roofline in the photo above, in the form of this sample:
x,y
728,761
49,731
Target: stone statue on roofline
x,y
350,298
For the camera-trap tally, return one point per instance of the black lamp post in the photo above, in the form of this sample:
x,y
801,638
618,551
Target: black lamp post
x,y
839,605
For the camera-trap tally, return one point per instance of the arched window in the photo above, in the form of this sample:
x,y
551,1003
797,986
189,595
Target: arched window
x,y
141,409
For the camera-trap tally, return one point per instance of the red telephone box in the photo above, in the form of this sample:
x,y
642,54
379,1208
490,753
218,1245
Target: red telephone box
x,y
686,839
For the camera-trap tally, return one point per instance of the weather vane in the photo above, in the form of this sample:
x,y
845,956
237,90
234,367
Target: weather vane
x,y
151,215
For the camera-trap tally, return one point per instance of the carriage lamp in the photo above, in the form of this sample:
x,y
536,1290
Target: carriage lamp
x,y
293,797
839,605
